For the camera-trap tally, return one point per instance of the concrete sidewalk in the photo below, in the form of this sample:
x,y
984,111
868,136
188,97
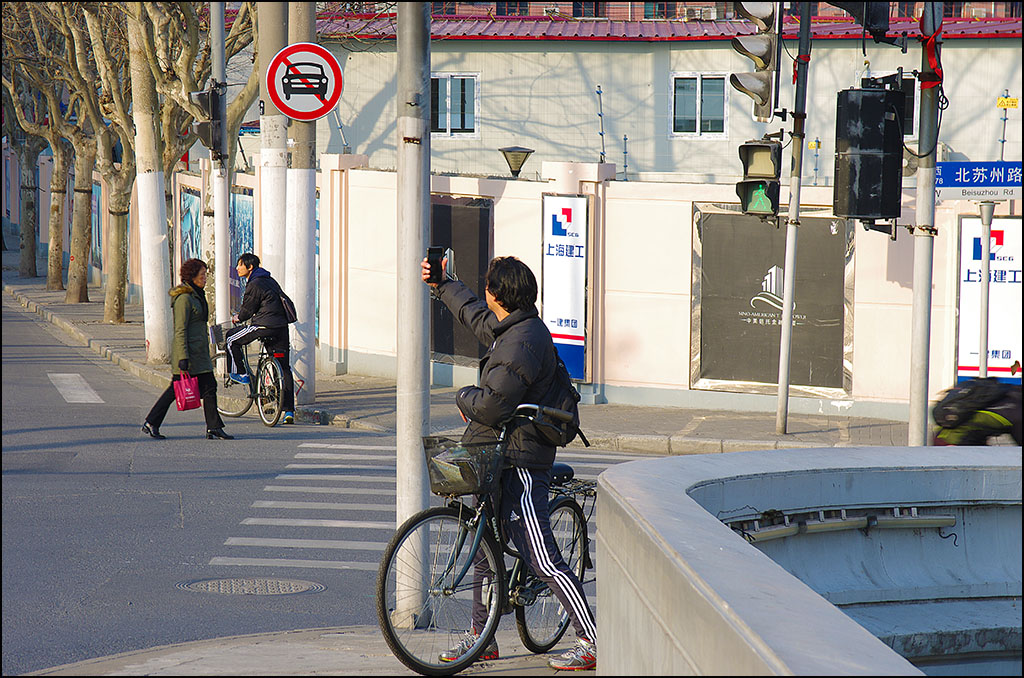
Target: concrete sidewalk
x,y
368,403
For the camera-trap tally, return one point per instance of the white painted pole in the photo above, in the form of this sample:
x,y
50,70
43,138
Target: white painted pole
x,y
299,273
221,238
273,31
987,210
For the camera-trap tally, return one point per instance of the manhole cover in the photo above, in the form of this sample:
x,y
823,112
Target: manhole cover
x,y
252,587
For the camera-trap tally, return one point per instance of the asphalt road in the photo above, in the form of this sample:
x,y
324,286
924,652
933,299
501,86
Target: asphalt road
x,y
104,527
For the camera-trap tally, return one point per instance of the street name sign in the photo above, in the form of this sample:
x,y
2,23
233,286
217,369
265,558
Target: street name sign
x,y
304,81
978,180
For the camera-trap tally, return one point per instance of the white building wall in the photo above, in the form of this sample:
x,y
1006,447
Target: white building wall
x,y
542,95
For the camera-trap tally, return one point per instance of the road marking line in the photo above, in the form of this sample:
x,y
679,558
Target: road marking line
x,y
356,467
287,562
608,456
347,446
334,476
308,543
74,388
315,522
328,490
322,505
335,455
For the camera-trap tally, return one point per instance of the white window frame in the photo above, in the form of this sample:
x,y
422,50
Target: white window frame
x,y
699,75
475,134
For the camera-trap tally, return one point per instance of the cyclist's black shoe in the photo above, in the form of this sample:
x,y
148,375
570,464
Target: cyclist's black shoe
x,y
212,433
582,657
152,431
489,652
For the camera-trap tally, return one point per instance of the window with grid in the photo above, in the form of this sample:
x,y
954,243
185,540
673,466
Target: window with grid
x,y
512,8
659,10
905,9
442,8
586,9
795,8
698,104
453,104
953,9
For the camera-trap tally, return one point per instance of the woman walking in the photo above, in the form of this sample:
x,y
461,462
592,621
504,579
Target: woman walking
x,y
190,352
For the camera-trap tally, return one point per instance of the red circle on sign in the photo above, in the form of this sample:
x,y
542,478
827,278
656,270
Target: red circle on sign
x,y
288,60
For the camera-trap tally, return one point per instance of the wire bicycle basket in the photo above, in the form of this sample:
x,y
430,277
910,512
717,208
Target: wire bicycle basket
x,y
457,468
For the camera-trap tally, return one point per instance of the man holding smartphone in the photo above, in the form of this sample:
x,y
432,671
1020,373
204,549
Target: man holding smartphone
x,y
519,367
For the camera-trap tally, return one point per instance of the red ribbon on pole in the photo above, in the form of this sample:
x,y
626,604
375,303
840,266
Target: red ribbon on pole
x,y
806,58
932,78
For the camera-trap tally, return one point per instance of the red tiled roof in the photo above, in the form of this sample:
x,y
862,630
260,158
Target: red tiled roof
x,y
648,30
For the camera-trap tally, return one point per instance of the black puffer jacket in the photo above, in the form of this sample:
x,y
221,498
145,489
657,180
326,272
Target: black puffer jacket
x,y
262,300
518,368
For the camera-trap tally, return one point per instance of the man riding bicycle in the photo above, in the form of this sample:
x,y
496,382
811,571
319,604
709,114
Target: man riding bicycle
x,y
519,367
261,302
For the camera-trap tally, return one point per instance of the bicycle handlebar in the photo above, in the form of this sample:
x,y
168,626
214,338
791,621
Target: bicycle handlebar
x,y
541,410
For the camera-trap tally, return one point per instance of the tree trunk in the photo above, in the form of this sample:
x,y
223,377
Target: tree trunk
x,y
116,254
81,224
58,198
152,216
29,217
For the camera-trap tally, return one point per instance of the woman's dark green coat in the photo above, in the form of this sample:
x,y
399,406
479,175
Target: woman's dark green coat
x,y
191,336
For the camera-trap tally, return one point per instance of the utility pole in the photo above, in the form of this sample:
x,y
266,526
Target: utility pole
x,y
273,31
988,208
793,217
221,239
300,237
924,230
413,143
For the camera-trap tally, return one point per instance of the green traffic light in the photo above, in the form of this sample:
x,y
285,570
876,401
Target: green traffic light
x,y
760,203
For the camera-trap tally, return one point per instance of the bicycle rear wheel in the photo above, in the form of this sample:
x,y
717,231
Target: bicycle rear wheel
x,y
270,391
542,623
233,399
421,609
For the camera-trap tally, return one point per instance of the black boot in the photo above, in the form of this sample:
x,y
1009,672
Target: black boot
x,y
152,431
212,433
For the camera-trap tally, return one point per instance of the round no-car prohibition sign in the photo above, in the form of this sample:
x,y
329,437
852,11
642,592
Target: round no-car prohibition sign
x,y
304,81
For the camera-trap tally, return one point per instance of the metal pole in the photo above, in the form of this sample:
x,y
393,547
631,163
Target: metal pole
x,y
793,220
987,209
221,239
299,273
413,211
273,33
924,244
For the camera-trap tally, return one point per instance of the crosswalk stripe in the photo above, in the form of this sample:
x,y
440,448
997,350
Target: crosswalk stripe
x,y
335,476
322,505
73,388
288,562
356,467
346,446
320,522
328,490
308,543
335,455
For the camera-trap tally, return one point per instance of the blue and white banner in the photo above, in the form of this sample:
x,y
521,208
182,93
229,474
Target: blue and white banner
x,y
564,294
1004,300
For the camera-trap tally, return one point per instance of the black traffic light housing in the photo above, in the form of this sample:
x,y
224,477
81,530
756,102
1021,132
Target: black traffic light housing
x,y
758,191
760,48
210,130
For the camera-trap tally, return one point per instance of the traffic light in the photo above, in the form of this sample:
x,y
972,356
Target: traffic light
x,y
869,154
873,16
210,130
759,189
760,49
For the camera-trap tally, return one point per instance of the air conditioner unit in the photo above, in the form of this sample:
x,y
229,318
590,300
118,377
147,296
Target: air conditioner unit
x,y
979,12
911,161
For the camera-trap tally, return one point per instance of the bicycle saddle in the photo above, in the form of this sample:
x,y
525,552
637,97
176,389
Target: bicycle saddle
x,y
561,473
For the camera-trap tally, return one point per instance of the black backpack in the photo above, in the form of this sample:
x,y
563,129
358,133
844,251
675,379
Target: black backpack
x,y
960,403
289,308
563,396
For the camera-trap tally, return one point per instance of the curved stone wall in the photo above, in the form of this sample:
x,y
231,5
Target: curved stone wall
x,y
735,563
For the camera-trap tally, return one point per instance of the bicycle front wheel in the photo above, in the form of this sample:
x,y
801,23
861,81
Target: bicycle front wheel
x,y
270,391
233,399
542,623
423,607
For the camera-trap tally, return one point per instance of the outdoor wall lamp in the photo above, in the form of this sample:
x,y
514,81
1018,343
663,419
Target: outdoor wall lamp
x,y
516,157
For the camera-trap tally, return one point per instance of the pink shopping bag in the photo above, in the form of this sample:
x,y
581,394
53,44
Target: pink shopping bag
x,y
186,392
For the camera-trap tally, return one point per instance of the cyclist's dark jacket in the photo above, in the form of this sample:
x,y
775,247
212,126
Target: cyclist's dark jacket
x,y
262,301
519,367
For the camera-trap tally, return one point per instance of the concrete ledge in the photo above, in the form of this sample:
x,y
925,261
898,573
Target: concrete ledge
x,y
681,593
